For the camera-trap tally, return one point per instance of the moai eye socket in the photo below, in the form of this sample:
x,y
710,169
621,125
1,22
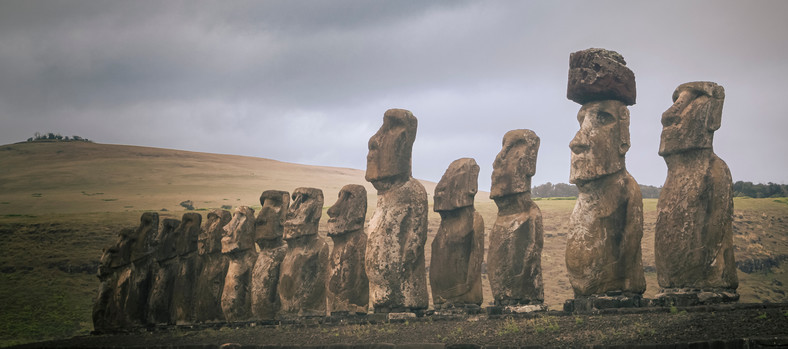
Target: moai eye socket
x,y
604,118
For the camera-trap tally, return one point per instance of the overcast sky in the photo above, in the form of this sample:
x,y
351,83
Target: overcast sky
x,y
309,81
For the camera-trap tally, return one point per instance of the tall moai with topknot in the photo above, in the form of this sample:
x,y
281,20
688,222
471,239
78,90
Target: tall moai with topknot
x,y
238,245
210,282
603,253
348,285
458,247
694,233
304,270
398,228
269,227
514,259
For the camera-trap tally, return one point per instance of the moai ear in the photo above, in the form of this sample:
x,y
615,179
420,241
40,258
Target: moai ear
x,y
623,123
714,119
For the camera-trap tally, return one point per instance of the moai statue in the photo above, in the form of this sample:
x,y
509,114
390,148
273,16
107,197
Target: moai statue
x,y
269,228
304,270
398,228
210,282
114,269
458,247
238,245
693,233
189,267
164,272
348,285
603,254
514,259
141,265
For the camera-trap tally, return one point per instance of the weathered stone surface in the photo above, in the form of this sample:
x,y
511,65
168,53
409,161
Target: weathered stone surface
x,y
208,290
141,266
304,270
398,228
348,285
238,245
458,247
598,74
108,309
265,275
603,250
693,232
189,268
514,259
164,272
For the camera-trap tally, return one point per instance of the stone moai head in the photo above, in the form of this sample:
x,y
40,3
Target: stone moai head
x,y
692,119
142,241
600,80
189,233
210,240
458,186
271,218
390,149
350,210
167,239
599,148
303,215
239,233
119,254
515,164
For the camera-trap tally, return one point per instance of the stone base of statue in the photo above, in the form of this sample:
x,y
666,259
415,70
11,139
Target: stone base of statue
x,y
609,300
516,308
685,297
457,309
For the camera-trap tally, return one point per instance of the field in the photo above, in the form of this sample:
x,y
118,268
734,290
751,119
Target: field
x,y
61,203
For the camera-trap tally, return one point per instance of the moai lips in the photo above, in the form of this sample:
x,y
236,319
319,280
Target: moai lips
x,y
514,264
398,229
348,285
458,247
693,232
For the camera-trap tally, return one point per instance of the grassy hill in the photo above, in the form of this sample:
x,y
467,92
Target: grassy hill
x,y
62,202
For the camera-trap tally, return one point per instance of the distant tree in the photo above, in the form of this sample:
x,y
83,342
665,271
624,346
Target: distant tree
x,y
741,188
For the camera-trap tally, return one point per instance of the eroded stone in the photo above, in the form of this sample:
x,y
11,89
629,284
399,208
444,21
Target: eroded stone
x,y
348,285
210,283
265,276
238,245
598,74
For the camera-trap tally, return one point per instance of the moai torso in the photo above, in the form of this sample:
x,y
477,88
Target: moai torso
x,y
238,245
164,272
348,285
113,274
304,270
188,269
693,232
603,252
210,282
514,264
141,265
458,247
269,227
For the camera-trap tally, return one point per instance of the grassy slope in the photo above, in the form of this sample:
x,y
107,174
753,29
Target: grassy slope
x,y
84,193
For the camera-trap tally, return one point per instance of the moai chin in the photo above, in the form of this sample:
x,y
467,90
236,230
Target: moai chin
x,y
141,266
693,232
269,228
514,259
238,245
304,270
398,228
164,272
189,268
458,247
208,291
348,285
603,253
